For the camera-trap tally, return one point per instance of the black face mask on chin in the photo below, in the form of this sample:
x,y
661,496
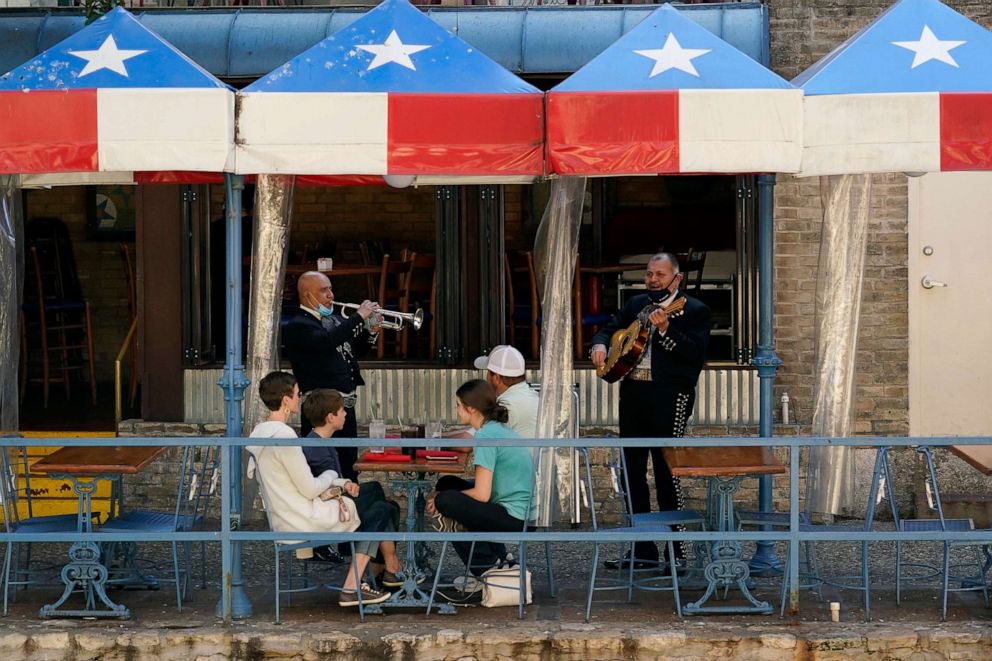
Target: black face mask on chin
x,y
662,295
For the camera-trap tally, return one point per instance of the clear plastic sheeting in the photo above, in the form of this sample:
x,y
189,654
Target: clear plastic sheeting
x,y
270,247
846,203
555,249
12,268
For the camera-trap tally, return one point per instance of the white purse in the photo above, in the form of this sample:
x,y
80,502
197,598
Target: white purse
x,y
501,587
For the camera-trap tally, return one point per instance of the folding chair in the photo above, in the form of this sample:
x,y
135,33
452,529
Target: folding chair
x,y
651,531
973,582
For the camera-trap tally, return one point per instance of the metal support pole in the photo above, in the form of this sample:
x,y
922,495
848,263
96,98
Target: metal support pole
x,y
764,561
233,383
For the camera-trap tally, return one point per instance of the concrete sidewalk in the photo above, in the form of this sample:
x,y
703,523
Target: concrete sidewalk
x,y
314,627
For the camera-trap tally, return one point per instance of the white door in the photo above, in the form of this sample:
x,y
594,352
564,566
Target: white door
x,y
950,304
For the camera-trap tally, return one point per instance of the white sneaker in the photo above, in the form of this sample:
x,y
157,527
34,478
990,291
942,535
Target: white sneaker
x,y
467,584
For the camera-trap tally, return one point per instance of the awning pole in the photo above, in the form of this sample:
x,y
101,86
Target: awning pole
x,y
234,382
764,561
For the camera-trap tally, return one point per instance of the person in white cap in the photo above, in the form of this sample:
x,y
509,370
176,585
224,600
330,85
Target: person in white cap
x,y
505,373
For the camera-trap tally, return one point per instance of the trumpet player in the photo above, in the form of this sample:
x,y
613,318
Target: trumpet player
x,y
323,347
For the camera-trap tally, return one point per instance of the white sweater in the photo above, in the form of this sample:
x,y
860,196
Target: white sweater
x,y
289,490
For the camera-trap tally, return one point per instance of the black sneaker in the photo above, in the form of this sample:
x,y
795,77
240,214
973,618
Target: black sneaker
x,y
390,580
639,563
455,596
369,596
328,555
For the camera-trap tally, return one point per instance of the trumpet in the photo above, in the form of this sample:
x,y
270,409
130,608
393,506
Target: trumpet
x,y
390,318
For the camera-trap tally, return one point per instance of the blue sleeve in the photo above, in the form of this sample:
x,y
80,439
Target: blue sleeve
x,y
485,457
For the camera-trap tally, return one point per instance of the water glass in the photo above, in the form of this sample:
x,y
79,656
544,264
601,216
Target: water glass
x,y
377,429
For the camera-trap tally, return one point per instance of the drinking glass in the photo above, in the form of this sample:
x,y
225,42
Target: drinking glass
x,y
377,429
433,430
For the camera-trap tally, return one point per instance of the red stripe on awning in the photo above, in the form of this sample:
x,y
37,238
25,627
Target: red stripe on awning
x,y
48,131
965,131
466,134
613,132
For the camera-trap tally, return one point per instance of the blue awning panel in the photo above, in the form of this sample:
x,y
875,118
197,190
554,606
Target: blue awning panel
x,y
247,43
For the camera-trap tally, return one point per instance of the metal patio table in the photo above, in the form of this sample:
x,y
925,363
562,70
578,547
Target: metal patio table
x,y
725,468
415,478
84,468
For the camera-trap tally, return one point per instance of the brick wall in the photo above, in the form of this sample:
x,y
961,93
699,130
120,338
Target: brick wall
x,y
802,31
100,268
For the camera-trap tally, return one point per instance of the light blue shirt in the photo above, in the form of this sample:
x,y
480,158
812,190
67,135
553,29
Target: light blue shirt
x,y
512,467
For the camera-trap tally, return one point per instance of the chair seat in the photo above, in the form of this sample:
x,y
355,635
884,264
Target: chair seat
x,y
44,524
646,528
56,305
780,519
933,525
149,521
669,518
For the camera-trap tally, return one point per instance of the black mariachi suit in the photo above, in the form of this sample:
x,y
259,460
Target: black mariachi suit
x,y
660,407
326,358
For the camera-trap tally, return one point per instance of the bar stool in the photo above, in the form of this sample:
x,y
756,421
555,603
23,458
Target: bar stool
x,y
64,327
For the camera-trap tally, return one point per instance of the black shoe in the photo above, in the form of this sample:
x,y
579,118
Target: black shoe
x,y
328,555
455,596
639,563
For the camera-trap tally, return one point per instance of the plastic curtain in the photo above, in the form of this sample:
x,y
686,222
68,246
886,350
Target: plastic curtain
x,y
12,268
555,249
846,203
270,247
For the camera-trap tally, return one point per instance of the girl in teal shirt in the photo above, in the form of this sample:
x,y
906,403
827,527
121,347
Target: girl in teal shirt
x,y
499,497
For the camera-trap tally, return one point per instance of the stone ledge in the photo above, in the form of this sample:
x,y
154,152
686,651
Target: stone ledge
x,y
695,639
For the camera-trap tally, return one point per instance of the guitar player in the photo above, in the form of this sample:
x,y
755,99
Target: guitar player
x,y
657,395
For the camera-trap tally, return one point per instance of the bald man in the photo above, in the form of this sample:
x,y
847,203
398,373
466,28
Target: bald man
x,y
323,349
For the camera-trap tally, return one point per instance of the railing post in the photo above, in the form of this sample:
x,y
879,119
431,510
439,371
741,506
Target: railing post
x,y
234,601
764,561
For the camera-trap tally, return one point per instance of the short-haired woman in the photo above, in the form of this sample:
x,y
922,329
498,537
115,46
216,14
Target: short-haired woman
x,y
497,500
292,494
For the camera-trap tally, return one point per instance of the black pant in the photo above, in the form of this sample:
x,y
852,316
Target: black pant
x,y
346,456
377,515
649,410
476,516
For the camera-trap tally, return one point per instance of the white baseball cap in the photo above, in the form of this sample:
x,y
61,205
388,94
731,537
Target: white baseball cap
x,y
503,360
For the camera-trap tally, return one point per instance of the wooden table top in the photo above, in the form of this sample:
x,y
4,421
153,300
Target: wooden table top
x,y
979,456
722,461
96,460
456,467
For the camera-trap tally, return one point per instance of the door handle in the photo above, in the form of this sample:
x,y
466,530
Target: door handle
x,y
930,283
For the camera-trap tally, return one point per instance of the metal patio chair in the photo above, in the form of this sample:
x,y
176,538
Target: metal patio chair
x,y
974,581
881,477
298,581
198,482
14,573
650,529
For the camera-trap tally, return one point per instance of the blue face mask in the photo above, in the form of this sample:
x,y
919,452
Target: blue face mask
x,y
324,312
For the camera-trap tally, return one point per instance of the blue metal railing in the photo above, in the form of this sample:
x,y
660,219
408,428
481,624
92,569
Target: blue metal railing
x,y
226,536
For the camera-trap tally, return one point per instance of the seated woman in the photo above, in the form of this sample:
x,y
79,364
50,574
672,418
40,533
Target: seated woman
x,y
498,499
292,494
324,408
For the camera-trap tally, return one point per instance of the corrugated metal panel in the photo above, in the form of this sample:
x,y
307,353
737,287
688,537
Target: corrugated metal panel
x,y
723,397
250,42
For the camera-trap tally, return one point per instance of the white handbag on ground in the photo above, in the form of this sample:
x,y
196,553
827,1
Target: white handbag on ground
x,y
501,587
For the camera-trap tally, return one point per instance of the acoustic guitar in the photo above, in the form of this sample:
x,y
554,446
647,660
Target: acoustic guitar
x,y
628,344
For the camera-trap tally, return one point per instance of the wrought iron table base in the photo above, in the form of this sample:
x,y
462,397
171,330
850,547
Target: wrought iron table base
x,y
726,567
410,595
84,571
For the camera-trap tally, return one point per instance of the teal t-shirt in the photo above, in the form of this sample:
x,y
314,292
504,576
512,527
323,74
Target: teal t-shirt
x,y
512,467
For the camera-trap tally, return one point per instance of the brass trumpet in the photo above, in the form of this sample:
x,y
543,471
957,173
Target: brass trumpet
x,y
390,319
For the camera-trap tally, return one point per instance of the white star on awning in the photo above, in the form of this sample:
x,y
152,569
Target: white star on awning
x,y
108,56
929,47
392,50
673,56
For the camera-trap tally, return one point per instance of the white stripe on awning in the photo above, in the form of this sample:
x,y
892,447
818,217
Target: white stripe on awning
x,y
740,130
165,129
312,133
855,133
